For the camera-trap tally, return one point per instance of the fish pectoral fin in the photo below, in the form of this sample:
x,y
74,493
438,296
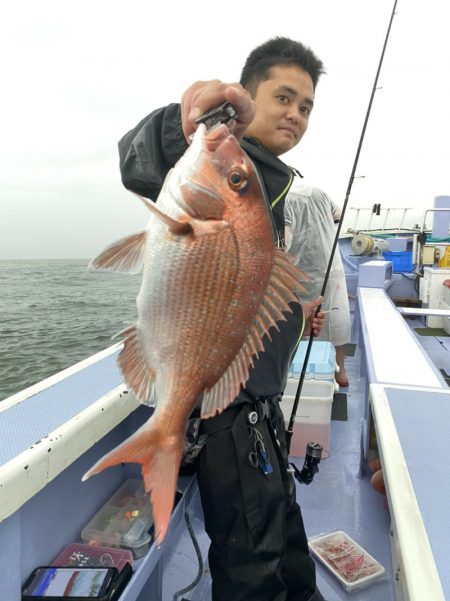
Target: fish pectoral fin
x,y
160,459
179,228
125,255
138,375
284,281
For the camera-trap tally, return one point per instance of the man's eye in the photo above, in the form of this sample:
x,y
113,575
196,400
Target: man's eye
x,y
306,110
283,99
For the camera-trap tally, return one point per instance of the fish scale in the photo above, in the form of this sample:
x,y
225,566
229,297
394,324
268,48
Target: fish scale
x,y
202,281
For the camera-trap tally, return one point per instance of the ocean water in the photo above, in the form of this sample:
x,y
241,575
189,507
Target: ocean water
x,y
54,313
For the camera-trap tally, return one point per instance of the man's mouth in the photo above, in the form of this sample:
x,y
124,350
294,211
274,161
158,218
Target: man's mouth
x,y
290,131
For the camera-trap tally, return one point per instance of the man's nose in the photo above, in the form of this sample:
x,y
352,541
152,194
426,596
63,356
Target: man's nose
x,y
294,114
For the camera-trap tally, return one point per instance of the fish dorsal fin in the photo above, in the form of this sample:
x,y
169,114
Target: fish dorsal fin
x,y
125,255
284,280
137,374
181,228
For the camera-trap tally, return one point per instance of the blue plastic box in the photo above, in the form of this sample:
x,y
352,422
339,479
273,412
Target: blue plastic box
x,y
401,261
321,364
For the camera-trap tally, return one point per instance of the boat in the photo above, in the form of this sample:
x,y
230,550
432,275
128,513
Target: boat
x,y
397,408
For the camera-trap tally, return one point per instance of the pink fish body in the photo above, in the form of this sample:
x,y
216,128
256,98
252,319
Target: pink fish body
x,y
213,285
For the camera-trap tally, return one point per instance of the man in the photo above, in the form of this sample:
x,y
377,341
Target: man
x,y
259,550
310,217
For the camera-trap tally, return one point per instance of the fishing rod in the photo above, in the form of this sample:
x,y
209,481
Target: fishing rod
x,y
290,429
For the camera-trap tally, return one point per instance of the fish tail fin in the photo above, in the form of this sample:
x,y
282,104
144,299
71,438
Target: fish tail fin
x,y
160,478
159,456
132,450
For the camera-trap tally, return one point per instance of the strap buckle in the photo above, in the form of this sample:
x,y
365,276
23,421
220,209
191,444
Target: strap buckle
x,y
262,408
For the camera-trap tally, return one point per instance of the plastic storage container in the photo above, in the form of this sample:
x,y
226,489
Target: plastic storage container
x,y
87,556
124,521
313,418
401,261
397,244
351,564
321,363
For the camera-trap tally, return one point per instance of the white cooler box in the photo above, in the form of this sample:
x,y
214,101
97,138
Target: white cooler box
x,y
313,417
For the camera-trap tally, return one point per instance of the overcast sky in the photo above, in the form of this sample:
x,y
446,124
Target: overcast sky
x,y
77,75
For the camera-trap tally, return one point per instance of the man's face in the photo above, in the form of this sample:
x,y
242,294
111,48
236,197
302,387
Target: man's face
x,y
283,105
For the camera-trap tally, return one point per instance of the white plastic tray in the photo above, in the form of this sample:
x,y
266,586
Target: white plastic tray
x,y
348,561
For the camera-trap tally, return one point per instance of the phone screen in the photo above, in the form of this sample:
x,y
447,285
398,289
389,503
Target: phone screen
x,y
90,583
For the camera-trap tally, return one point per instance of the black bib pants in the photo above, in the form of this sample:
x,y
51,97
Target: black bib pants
x,y
259,550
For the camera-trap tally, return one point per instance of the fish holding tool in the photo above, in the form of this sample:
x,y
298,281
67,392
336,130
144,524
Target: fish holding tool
x,y
224,113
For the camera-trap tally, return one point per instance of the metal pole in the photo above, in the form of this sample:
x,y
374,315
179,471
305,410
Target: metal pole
x,y
356,220
290,429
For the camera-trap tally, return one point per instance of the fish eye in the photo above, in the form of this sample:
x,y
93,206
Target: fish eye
x,y
237,180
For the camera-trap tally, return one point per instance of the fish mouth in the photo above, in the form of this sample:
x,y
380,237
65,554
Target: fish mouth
x,y
202,186
215,137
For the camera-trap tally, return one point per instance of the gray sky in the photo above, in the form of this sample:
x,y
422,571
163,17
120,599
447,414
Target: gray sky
x,y
77,75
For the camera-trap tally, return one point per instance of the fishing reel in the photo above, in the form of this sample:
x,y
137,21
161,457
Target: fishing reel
x,y
310,467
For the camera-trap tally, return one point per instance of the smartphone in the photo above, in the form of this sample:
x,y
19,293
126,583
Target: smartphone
x,y
53,583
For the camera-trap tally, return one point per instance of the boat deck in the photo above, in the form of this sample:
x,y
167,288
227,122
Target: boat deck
x,y
340,497
339,489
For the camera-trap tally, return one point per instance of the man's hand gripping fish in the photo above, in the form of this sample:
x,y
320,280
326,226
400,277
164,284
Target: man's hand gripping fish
x,y
213,285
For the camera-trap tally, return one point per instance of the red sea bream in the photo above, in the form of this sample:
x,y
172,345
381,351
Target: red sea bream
x,y
213,285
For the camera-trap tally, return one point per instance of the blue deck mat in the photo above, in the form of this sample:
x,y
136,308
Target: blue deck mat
x,y
422,420
27,422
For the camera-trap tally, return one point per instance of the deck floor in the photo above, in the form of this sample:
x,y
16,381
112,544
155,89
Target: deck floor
x,y
436,344
340,498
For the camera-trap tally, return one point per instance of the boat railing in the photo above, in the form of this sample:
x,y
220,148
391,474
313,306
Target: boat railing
x,y
51,434
49,425
396,214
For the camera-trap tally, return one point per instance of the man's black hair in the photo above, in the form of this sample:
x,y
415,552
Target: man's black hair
x,y
279,51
